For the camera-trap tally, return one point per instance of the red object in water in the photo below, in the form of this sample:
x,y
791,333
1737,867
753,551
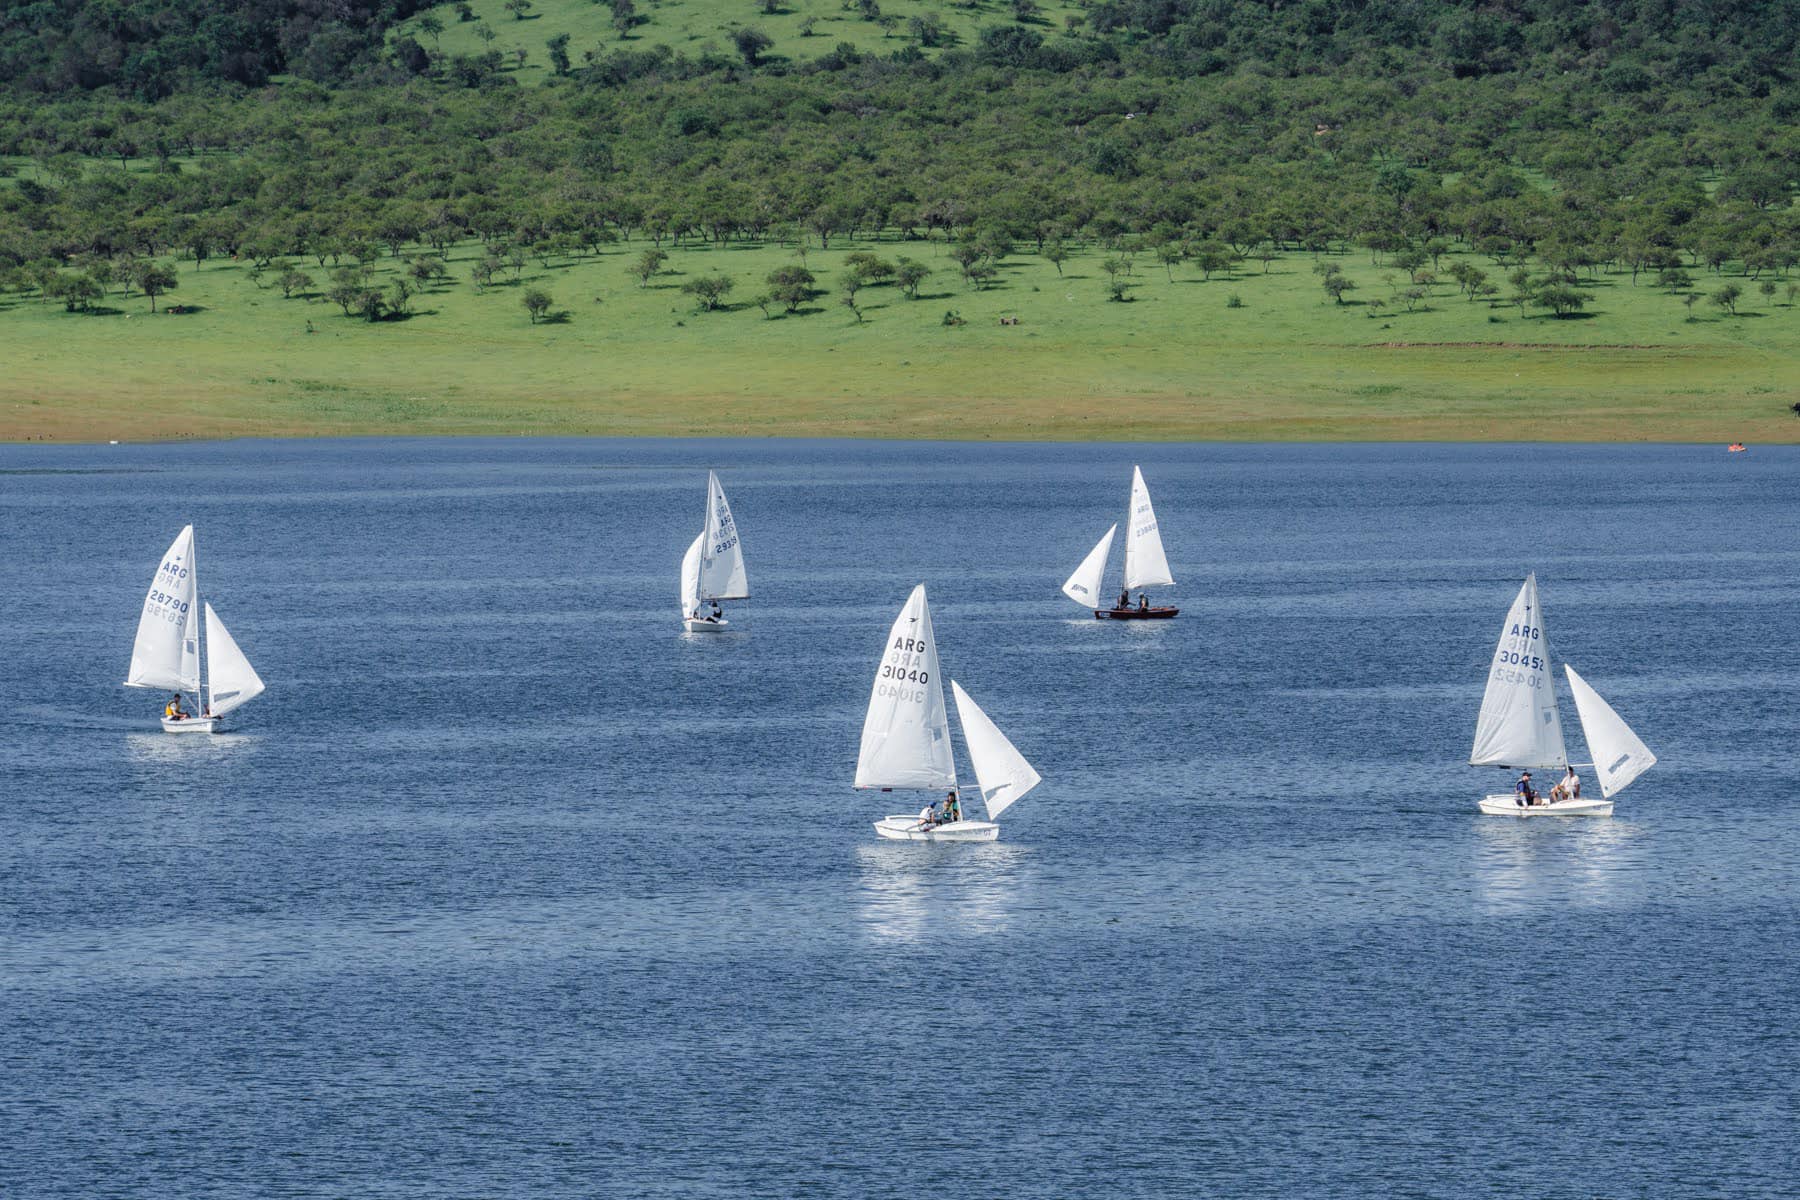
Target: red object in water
x,y
1736,448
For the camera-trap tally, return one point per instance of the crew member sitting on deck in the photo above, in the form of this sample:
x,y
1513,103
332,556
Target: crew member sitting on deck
x,y
1125,598
173,709
1571,785
1525,795
952,808
1143,601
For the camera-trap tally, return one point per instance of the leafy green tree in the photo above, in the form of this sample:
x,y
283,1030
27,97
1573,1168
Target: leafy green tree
x,y
1560,298
154,279
909,275
1674,279
1727,297
647,265
1169,254
709,290
77,291
1212,257
518,8
559,53
868,267
1337,284
537,303
751,43
293,280
1057,253
431,27
625,17
792,286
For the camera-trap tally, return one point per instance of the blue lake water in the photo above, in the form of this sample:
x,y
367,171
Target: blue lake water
x,y
506,888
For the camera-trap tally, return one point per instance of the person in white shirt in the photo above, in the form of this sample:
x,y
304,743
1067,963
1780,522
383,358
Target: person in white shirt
x,y
1571,785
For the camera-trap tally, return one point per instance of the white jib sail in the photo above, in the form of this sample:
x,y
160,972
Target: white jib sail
x,y
906,735
1145,563
690,578
1083,586
722,575
167,651
1519,725
230,679
1619,756
1000,769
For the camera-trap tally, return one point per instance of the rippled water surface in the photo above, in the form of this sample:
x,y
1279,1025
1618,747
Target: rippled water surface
x,y
507,888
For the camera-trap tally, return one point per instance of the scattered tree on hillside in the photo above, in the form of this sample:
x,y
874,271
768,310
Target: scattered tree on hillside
x,y
154,279
792,286
537,303
709,290
647,265
293,280
909,275
751,42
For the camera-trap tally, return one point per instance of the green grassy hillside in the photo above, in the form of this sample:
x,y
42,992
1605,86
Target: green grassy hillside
x,y
800,29
1177,360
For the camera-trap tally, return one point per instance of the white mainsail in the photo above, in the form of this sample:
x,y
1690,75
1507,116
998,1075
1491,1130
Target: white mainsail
x,y
722,575
167,651
1000,769
1145,563
690,577
906,734
1619,756
1519,725
1083,586
230,679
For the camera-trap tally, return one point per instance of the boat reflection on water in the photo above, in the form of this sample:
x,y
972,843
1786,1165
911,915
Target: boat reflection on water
x,y
953,891
1521,866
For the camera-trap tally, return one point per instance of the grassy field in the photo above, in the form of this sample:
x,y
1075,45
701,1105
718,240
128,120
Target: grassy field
x,y
1177,361
693,26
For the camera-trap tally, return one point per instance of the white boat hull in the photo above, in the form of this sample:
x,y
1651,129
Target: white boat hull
x,y
193,725
1507,805
910,829
704,625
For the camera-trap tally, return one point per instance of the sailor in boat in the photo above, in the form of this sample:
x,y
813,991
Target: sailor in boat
x,y
1124,598
952,808
1143,601
1526,797
173,709
718,614
1568,788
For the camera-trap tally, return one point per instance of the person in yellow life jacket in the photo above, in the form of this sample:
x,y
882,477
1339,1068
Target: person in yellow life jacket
x,y
173,709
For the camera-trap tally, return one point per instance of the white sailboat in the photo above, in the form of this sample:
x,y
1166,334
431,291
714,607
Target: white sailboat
x,y
713,568
906,738
171,637
1520,726
1146,566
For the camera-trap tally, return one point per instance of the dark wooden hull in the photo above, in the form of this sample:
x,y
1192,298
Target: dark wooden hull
x,y
1134,614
